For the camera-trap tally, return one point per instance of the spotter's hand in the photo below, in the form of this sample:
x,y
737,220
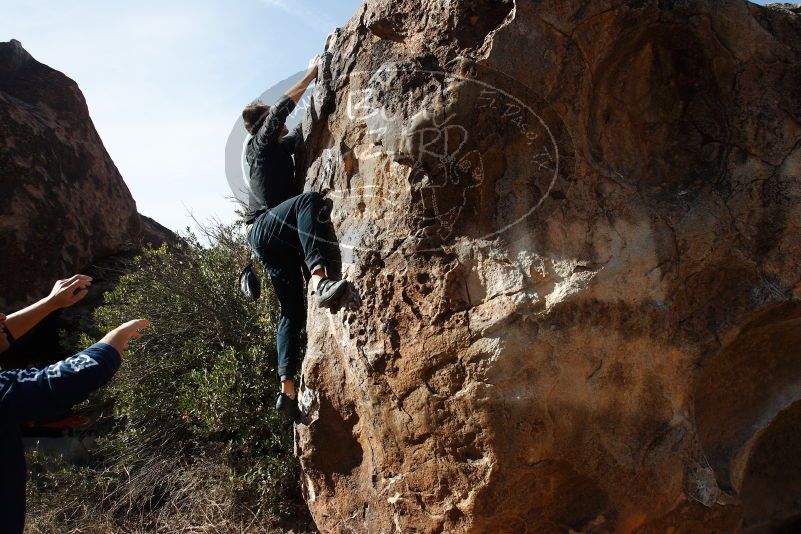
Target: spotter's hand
x,y
67,292
123,334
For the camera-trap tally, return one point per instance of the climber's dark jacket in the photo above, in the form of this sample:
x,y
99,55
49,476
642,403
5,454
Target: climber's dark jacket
x,y
272,170
35,395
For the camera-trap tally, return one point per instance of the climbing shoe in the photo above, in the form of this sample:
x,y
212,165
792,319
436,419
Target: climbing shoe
x,y
329,292
288,407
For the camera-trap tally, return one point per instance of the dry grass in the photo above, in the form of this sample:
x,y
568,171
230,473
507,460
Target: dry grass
x,y
191,499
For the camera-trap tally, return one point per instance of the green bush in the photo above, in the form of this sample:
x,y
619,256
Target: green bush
x,y
194,439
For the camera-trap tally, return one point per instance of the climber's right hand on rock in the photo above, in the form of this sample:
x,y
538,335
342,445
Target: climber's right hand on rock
x,y
314,64
120,336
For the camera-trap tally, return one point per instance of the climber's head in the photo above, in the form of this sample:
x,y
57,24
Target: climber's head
x,y
5,341
253,115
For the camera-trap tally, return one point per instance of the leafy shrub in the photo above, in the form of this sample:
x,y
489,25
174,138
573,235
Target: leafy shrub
x,y
193,439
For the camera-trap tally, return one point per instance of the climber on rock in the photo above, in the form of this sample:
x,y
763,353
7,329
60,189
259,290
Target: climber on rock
x,y
286,231
40,394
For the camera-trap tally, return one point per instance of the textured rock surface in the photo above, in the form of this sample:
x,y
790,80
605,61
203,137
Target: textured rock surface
x,y
64,204
576,265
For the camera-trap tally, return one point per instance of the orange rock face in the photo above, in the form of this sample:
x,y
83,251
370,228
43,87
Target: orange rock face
x,y
572,229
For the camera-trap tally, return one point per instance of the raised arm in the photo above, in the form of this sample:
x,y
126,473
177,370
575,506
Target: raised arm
x,y
39,394
64,293
274,123
297,90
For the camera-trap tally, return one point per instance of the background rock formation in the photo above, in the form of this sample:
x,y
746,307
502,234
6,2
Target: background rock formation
x,y
64,204
573,232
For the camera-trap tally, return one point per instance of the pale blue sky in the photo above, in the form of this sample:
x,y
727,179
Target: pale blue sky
x,y
165,81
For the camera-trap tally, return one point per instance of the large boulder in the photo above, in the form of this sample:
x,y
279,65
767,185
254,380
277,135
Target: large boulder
x,y
572,229
64,204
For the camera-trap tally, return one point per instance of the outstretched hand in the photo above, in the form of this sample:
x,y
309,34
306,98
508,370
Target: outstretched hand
x,y
123,334
67,292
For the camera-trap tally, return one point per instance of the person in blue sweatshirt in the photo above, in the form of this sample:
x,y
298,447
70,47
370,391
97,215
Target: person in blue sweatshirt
x,y
39,394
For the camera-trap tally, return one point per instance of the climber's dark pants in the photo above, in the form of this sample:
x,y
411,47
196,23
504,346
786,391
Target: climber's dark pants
x,y
283,238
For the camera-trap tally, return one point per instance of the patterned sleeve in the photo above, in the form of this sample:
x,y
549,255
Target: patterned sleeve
x,y
274,123
38,394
